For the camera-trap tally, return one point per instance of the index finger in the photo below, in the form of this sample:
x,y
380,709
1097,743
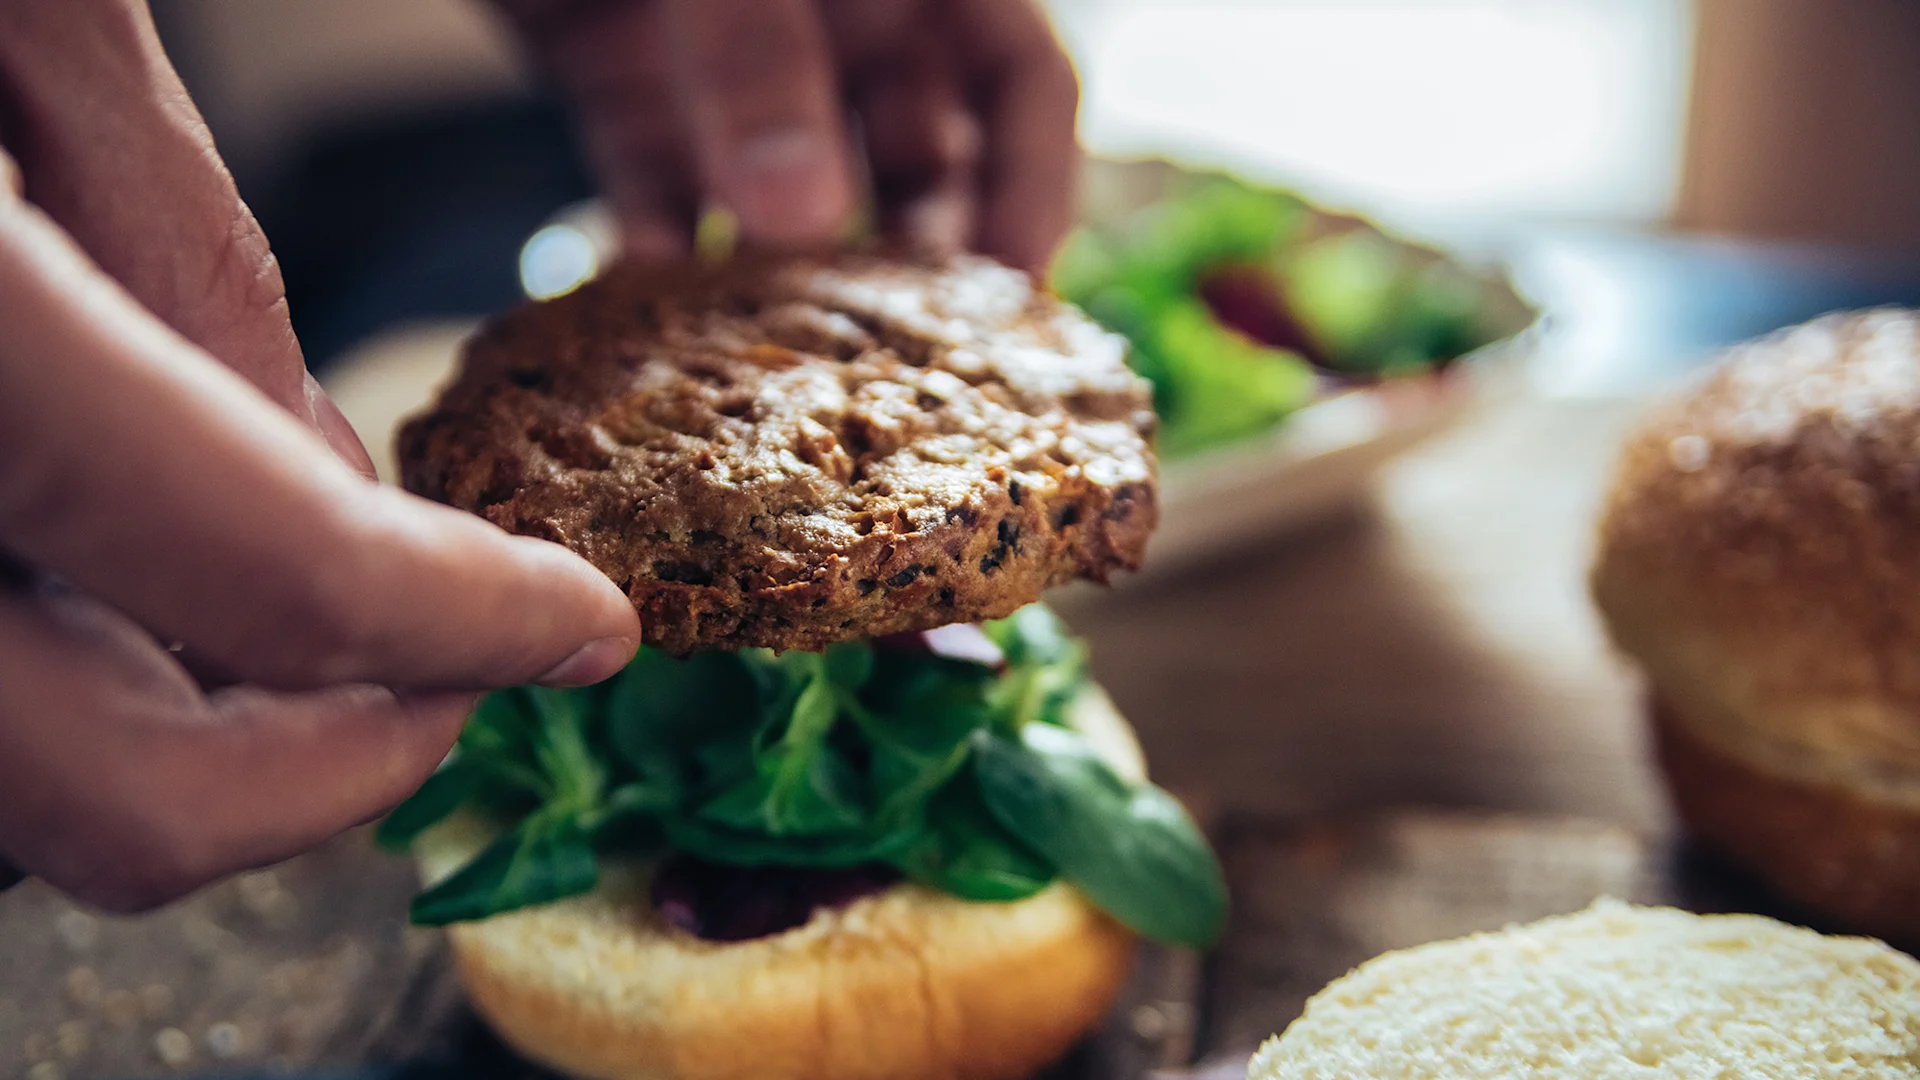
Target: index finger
x,y
1028,99
142,470
759,88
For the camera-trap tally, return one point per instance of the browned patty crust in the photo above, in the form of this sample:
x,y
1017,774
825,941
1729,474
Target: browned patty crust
x,y
792,452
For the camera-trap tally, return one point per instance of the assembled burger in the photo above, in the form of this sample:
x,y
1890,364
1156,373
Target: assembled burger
x,y
856,808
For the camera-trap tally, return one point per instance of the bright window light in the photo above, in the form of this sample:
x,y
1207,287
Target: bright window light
x,y
1527,108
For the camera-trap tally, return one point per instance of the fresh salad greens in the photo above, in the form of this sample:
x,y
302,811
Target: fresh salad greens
x,y
1240,305
962,776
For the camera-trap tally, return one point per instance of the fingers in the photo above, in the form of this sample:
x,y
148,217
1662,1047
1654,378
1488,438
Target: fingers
x,y
760,93
115,152
922,147
612,60
1027,98
967,113
123,785
136,467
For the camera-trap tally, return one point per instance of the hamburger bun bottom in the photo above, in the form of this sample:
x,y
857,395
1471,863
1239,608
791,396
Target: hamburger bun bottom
x,y
906,983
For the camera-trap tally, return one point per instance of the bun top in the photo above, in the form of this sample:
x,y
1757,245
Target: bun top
x,y
792,451
1760,553
1614,992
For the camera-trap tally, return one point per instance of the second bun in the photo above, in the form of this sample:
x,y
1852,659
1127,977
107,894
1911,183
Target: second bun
x,y
1760,559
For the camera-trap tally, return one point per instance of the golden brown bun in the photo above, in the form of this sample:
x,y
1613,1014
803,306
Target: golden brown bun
x,y
908,983
1853,858
1760,558
1614,993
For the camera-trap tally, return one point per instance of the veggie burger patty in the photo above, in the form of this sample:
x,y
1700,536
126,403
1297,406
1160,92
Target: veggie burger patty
x,y
792,452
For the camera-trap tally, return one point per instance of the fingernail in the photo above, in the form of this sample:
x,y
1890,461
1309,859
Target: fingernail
x,y
788,185
592,662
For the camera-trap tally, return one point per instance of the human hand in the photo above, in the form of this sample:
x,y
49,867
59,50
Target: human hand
x,y
965,112
220,641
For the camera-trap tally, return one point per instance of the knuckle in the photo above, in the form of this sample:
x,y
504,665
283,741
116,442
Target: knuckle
x,y
243,273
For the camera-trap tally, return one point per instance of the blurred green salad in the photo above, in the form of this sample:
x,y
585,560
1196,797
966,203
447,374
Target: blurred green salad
x,y
1242,304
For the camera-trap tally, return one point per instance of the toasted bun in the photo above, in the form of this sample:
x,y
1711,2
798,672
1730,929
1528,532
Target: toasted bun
x,y
909,983
1760,558
1614,992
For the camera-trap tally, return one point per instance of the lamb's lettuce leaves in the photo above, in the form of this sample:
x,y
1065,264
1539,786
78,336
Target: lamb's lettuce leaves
x,y
961,776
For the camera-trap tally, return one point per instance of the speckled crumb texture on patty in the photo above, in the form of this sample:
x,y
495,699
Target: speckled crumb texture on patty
x,y
793,452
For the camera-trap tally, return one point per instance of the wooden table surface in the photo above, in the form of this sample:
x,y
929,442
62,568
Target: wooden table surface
x,y
1323,698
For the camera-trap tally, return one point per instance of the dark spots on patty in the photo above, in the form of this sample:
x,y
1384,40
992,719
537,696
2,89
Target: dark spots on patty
x,y
682,573
1067,516
1007,537
904,578
574,448
856,434
1125,501
707,374
527,378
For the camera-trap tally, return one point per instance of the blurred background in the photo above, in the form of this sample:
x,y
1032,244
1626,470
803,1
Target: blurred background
x,y
399,154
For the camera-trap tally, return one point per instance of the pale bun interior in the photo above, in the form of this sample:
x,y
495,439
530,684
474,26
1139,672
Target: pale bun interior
x,y
1615,992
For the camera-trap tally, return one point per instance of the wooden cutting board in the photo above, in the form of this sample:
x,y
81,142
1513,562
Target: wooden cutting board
x,y
310,966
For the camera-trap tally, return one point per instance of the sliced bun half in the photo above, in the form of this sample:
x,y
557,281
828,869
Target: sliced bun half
x,y
1614,992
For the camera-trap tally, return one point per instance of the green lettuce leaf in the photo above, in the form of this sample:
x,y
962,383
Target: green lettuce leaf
x,y
1130,848
542,859
811,760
